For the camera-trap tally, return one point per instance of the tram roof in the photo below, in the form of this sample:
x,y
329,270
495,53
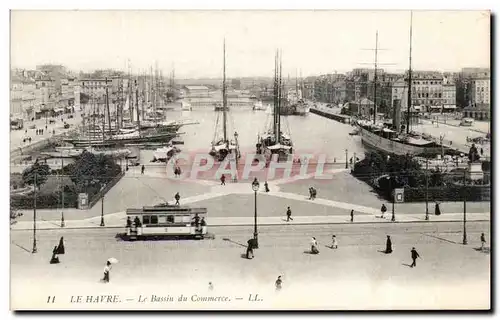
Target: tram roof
x,y
166,210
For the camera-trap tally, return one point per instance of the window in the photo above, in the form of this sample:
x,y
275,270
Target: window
x,y
427,95
146,219
439,95
154,219
170,219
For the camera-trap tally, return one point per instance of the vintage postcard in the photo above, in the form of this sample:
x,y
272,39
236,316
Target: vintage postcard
x,y
250,160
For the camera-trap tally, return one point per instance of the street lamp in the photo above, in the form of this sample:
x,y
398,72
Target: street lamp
x,y
34,218
464,241
102,206
393,194
426,189
346,159
255,188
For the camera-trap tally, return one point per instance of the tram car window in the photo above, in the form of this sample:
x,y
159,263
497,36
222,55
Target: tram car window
x,y
170,219
154,219
145,219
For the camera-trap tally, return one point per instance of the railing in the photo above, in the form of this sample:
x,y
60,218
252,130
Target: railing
x,y
106,188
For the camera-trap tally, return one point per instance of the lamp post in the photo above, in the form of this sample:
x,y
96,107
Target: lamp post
x,y
346,161
464,241
255,188
102,206
426,189
34,219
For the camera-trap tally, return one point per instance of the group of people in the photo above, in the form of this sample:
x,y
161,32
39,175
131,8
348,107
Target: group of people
x,y
312,193
27,139
177,171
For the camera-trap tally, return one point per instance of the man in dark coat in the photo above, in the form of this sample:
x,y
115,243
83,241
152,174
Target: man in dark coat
x,y
266,187
142,169
352,215
60,248
289,214
177,198
388,245
383,209
223,180
414,256
250,246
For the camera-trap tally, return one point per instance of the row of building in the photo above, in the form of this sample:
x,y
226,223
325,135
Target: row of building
x,y
33,92
468,90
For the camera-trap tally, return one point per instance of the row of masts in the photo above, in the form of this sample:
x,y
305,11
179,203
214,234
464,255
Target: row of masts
x,y
150,95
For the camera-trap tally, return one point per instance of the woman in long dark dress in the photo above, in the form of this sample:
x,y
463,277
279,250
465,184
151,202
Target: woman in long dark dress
x,y
60,248
388,245
437,211
55,258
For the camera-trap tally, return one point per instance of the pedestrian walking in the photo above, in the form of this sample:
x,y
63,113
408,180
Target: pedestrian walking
x,y
60,247
29,139
266,186
313,193
314,246
142,169
129,222
278,284
45,127
55,258
26,131
335,244
388,245
250,246
177,198
126,167
210,286
483,241
383,209
437,210
222,180
53,131
289,214
107,270
352,215
414,256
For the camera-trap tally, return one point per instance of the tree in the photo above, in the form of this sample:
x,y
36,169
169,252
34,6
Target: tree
x,y
41,171
90,170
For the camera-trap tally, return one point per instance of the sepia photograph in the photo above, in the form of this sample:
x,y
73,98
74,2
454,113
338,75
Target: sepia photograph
x,y
250,160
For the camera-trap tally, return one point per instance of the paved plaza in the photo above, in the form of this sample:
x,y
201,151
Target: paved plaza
x,y
357,275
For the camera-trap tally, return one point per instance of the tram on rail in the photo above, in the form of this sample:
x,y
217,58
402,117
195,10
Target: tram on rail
x,y
166,221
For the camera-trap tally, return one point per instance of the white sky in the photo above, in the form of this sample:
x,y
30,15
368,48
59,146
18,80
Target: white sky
x,y
316,42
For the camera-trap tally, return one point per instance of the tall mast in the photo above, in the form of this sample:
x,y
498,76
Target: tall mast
x,y
409,80
375,82
280,97
224,101
107,108
275,113
137,105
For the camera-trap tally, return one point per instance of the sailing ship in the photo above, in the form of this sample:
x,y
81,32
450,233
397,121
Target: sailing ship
x,y
222,146
134,134
273,140
391,140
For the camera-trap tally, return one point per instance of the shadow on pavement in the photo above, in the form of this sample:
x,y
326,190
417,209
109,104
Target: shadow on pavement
x,y
406,264
485,250
229,240
17,245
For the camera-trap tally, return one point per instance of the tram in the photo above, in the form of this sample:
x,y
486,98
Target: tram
x,y
166,221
